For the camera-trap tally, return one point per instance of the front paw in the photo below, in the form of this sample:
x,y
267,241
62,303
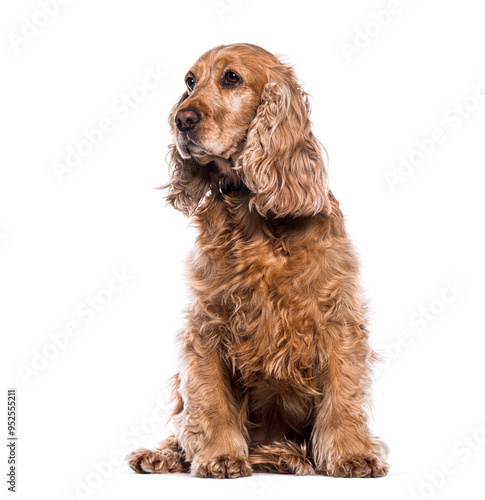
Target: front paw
x,y
220,467
145,461
358,466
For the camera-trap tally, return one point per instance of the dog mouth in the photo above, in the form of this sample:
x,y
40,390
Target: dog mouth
x,y
190,148
195,149
220,167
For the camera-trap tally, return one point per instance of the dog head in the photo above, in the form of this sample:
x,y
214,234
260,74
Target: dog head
x,y
244,118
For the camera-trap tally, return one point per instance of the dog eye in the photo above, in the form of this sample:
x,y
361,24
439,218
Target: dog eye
x,y
230,78
190,82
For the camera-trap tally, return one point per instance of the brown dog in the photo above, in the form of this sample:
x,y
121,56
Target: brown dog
x,y
275,363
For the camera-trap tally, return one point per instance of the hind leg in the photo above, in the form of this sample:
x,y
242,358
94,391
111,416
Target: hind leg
x,y
168,457
285,457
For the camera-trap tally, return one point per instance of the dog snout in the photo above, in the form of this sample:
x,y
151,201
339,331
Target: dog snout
x,y
187,119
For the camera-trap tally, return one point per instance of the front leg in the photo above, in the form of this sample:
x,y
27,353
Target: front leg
x,y
210,426
342,443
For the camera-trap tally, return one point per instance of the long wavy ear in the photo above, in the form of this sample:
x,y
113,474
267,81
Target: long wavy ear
x,y
188,182
282,161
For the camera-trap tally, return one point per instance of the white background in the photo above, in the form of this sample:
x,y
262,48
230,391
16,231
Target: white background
x,y
60,240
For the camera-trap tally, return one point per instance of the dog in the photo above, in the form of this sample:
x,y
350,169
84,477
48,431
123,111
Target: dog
x,y
275,357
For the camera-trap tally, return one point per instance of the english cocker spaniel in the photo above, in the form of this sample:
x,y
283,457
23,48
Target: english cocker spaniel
x,y
275,362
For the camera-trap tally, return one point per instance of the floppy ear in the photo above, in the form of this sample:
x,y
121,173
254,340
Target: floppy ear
x,y
189,182
282,162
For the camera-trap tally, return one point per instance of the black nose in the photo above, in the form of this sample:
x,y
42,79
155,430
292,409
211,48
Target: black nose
x,y
187,119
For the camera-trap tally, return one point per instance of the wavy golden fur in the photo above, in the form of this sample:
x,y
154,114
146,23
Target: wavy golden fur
x,y
275,362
